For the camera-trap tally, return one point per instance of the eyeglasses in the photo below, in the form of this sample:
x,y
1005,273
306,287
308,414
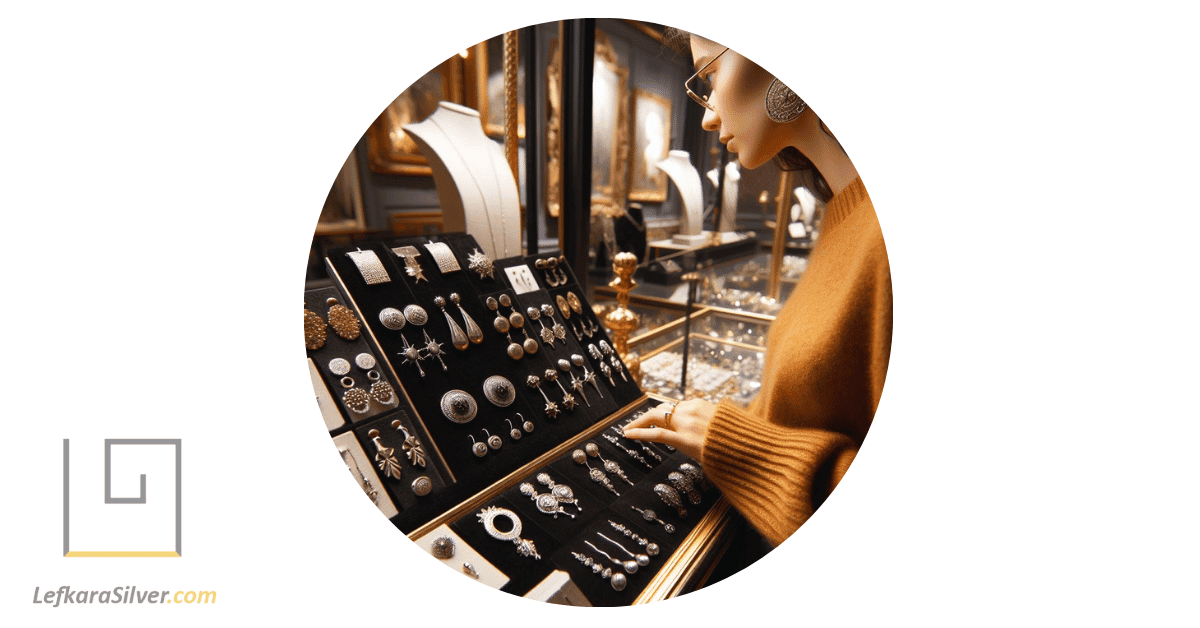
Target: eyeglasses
x,y
703,85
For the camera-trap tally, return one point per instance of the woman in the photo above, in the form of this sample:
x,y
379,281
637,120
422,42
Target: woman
x,y
827,352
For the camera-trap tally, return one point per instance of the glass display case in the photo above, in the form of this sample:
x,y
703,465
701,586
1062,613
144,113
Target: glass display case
x,y
724,356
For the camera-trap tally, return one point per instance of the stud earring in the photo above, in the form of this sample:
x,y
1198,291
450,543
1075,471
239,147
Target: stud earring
x,y
314,330
422,486
479,449
498,390
411,446
459,406
344,323
479,263
783,105
339,366
385,456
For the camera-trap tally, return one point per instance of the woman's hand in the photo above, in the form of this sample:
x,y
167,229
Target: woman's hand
x,y
684,430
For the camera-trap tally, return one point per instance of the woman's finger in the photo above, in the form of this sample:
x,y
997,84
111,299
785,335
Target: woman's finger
x,y
653,434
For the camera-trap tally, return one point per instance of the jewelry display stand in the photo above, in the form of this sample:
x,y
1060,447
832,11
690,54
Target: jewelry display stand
x,y
476,189
729,195
678,166
504,409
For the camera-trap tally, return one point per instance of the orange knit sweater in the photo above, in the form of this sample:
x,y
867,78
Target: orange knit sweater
x,y
827,354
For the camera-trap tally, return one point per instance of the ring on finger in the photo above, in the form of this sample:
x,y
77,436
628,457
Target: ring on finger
x,y
667,416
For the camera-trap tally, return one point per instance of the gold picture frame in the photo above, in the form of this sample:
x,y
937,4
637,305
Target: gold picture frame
x,y
343,209
389,148
485,86
651,143
610,138
610,130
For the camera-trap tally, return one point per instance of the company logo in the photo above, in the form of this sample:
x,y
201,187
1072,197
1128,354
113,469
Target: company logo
x,y
147,525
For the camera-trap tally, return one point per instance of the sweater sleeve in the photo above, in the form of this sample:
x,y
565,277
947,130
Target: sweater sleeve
x,y
775,476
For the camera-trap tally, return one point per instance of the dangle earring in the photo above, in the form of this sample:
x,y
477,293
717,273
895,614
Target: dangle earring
x,y
412,446
479,449
609,465
515,351
576,383
513,432
595,474
525,425
783,105
517,320
535,314
474,333
385,456
560,332
533,381
568,399
457,337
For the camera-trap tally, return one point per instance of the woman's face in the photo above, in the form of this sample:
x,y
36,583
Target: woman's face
x,y
739,89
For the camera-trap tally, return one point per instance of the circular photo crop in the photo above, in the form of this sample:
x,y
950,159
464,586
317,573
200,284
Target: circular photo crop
x,y
597,312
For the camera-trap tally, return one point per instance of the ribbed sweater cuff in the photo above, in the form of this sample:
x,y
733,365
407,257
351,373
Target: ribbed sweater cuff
x,y
768,471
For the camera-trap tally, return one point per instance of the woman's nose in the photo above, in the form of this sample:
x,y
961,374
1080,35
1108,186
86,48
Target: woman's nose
x,y
711,121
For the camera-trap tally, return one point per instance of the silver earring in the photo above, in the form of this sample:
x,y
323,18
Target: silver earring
x,y
650,515
513,432
630,566
525,425
498,390
652,548
547,503
385,456
783,105
551,408
568,399
412,446
493,441
595,474
685,485
617,580
477,448
474,333
487,517
457,337
479,262
641,559
671,498
561,492
609,465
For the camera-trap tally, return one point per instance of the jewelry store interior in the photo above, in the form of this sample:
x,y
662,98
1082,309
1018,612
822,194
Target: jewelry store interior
x,y
529,246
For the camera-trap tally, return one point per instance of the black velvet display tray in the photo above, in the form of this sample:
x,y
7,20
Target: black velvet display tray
x,y
449,442
557,537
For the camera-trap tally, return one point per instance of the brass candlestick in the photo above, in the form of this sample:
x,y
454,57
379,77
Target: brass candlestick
x,y
622,320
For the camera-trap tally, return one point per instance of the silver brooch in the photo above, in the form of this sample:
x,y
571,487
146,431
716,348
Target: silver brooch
x,y
479,263
498,390
459,406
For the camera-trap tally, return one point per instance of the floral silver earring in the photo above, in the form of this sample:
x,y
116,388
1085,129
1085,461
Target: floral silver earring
x,y
783,105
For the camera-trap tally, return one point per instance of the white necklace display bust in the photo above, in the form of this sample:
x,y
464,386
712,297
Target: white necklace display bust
x,y
475,186
678,166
